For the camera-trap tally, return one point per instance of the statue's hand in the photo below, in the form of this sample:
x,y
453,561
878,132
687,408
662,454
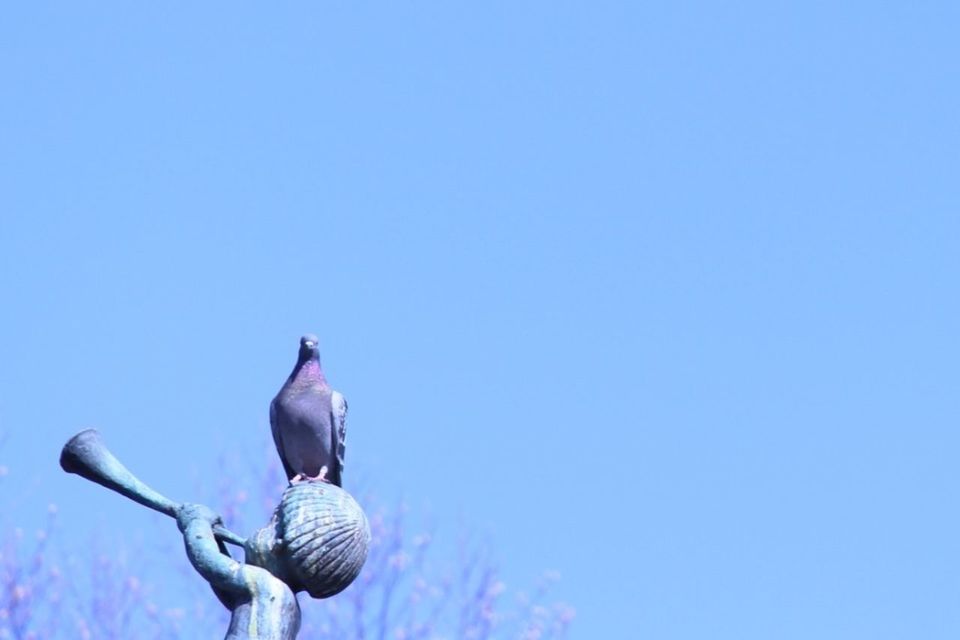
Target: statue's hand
x,y
187,513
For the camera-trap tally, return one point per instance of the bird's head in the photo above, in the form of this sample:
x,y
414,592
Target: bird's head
x,y
308,348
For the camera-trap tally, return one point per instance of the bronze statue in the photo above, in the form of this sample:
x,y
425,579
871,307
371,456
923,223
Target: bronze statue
x,y
316,542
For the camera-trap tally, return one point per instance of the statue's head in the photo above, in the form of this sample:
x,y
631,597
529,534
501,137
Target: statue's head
x,y
317,540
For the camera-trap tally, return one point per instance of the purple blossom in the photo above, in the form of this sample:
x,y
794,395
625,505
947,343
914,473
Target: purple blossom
x,y
411,588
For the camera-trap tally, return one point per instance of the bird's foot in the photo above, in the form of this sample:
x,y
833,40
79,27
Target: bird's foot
x,y
302,477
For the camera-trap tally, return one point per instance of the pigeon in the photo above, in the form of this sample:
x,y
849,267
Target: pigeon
x,y
309,420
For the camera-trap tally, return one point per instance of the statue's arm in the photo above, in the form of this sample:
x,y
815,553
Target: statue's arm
x,y
207,555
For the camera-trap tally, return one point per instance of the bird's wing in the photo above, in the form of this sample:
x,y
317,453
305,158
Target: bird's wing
x,y
338,410
278,438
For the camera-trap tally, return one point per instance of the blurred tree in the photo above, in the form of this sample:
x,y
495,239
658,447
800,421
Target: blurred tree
x,y
410,588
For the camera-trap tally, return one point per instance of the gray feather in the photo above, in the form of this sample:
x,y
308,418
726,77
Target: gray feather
x,y
308,419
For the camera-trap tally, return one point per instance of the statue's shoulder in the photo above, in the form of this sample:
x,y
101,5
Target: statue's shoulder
x,y
262,583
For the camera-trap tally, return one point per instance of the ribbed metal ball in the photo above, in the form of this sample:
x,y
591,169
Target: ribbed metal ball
x,y
325,534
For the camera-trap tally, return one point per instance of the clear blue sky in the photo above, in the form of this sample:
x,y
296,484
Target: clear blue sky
x,y
663,297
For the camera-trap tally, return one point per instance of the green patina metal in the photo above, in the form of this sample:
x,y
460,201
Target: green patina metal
x,y
316,542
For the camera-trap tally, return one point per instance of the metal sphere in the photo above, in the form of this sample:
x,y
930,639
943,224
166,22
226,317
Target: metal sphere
x,y
324,536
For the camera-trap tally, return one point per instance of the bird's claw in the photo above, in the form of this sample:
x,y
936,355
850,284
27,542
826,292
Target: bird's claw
x,y
302,477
